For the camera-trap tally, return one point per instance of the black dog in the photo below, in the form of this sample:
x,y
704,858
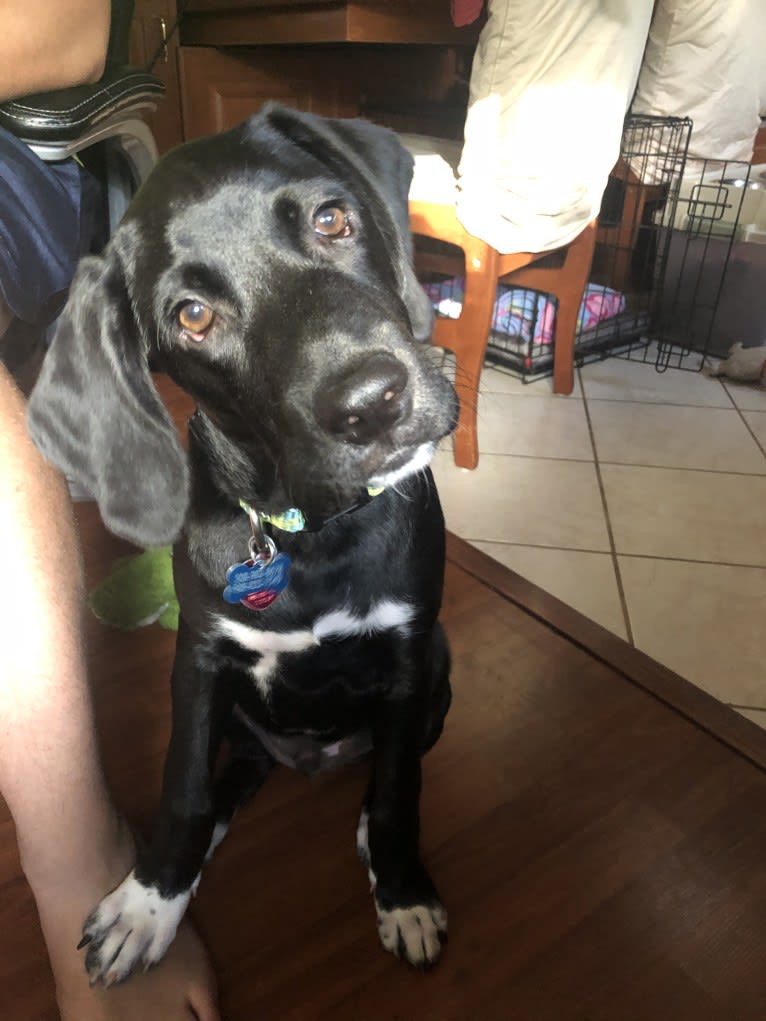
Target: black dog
x,y
268,272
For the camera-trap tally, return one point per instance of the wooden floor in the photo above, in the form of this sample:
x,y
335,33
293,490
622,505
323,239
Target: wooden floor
x,y
596,827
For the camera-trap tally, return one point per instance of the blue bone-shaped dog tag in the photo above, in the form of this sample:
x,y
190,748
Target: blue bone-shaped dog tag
x,y
257,583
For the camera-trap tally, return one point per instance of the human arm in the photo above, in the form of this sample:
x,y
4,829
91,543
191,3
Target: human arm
x,y
46,46
73,845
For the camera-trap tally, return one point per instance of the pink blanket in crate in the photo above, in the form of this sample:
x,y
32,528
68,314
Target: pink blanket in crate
x,y
528,316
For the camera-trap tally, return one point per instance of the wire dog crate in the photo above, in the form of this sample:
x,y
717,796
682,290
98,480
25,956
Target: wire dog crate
x,y
713,293
635,227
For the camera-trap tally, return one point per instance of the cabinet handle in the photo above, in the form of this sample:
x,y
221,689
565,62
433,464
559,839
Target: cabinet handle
x,y
164,33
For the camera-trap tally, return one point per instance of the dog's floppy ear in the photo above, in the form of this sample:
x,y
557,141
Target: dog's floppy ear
x,y
385,167
95,413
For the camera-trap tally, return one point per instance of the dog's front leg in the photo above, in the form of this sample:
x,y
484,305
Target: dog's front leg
x,y
412,922
135,924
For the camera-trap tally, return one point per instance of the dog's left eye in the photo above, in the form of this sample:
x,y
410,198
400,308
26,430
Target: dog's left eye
x,y
332,222
195,319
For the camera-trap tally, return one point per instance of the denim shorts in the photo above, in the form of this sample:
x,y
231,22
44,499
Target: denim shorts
x,y
46,213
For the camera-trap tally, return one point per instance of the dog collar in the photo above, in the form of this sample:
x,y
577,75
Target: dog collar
x,y
294,520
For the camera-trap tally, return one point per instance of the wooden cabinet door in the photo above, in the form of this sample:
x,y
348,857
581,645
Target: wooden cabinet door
x,y
222,87
151,42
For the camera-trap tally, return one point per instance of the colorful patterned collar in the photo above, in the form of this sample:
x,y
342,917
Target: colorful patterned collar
x,y
294,520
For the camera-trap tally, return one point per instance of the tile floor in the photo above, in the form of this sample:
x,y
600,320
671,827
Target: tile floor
x,y
641,501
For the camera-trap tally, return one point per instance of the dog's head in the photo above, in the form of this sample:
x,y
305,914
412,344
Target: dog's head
x,y
268,272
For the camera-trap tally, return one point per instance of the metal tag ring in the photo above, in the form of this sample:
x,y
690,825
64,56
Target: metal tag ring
x,y
262,553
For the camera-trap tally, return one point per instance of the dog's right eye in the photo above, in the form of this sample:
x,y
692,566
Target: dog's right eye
x,y
195,319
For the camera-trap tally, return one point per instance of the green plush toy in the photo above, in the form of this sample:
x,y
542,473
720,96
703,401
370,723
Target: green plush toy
x,y
138,591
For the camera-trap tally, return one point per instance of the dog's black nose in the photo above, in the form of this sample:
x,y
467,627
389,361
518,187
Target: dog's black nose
x,y
366,401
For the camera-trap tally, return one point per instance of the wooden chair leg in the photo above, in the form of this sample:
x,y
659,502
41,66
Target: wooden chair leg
x,y
465,441
467,338
566,283
574,277
563,351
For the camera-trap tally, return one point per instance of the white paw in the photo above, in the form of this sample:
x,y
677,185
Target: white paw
x,y
133,925
415,933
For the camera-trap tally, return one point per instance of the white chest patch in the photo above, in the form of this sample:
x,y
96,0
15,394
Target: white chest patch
x,y
387,615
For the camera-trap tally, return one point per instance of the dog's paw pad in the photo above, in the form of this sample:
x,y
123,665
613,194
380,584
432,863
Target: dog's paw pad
x,y
132,927
415,933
